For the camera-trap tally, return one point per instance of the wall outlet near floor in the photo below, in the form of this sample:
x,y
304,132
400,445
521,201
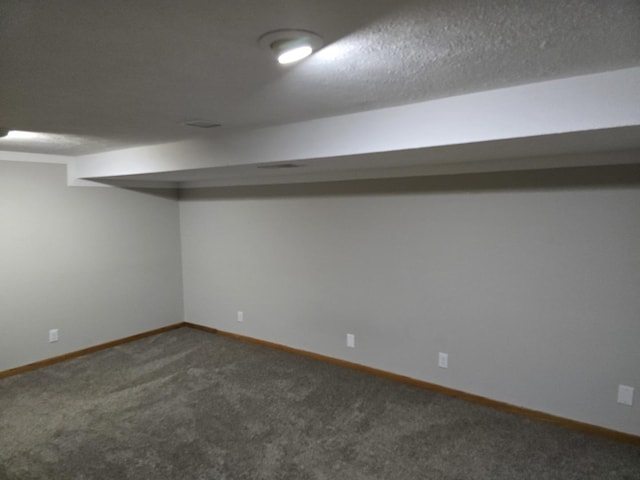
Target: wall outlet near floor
x,y
351,340
240,316
443,360
53,335
625,395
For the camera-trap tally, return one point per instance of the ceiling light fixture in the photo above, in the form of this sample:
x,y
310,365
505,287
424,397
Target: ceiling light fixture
x,y
290,46
23,135
295,54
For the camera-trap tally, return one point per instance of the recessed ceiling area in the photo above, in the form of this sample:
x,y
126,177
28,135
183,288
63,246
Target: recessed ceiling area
x,y
121,76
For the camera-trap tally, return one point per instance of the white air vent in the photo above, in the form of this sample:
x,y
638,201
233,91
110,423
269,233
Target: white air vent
x,y
276,166
200,124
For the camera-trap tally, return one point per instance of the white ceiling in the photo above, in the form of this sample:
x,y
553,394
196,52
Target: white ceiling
x,y
98,76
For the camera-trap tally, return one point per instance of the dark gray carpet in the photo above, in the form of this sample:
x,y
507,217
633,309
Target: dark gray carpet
x,y
192,405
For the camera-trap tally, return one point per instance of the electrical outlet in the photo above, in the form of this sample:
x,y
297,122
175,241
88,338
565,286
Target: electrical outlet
x,y
240,316
351,340
625,395
53,335
443,360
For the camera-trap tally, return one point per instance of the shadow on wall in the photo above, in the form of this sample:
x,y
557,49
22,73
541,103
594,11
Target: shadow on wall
x,y
559,178
168,193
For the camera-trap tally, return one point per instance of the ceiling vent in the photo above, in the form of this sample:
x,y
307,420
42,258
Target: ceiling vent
x,y
200,124
278,166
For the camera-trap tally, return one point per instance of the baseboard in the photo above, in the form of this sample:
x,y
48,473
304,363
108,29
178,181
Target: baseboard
x,y
85,351
534,414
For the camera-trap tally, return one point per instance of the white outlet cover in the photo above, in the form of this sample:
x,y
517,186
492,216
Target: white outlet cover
x,y
240,316
625,395
443,360
53,335
351,340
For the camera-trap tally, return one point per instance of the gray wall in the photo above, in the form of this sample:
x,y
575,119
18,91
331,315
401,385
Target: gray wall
x,y
97,263
529,281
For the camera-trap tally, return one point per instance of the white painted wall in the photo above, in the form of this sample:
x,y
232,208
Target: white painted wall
x,y
528,280
97,263
529,283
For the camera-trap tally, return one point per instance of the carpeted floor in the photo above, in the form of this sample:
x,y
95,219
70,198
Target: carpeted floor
x,y
192,405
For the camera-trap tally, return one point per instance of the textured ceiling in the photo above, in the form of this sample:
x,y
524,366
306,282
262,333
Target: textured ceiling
x,y
122,73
